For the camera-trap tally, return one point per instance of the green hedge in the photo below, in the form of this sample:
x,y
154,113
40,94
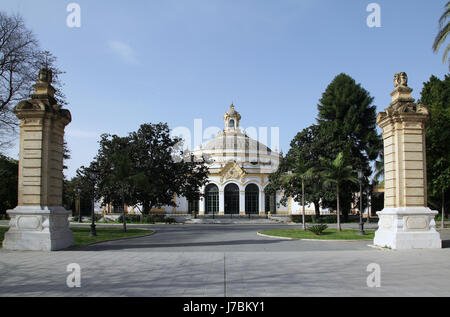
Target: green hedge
x,y
327,219
314,219
148,219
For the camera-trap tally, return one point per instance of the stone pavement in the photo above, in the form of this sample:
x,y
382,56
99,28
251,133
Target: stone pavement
x,y
206,262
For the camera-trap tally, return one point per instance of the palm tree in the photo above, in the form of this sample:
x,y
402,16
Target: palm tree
x,y
336,172
443,33
302,173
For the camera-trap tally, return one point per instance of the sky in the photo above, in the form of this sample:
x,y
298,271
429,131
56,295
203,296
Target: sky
x,y
174,61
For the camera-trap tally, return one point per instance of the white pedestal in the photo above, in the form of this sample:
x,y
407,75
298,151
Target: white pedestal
x,y
38,229
407,228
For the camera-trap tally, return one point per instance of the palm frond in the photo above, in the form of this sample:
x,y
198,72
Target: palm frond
x,y
447,49
441,37
445,16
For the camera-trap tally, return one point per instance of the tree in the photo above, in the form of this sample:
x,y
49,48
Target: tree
x,y
301,174
8,183
436,96
148,168
337,172
347,121
20,60
195,173
162,170
113,172
443,33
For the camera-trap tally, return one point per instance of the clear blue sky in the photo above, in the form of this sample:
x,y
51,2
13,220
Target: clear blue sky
x,y
133,62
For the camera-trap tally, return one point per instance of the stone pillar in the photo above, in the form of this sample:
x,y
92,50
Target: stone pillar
x,y
405,222
242,202
262,210
221,203
39,222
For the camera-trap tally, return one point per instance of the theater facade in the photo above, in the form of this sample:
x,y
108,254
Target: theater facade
x,y
239,169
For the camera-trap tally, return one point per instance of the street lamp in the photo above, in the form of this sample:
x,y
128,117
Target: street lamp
x,y
79,205
361,223
93,231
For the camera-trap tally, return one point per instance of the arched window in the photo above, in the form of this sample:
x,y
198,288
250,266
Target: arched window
x,y
252,199
231,124
211,199
232,199
270,203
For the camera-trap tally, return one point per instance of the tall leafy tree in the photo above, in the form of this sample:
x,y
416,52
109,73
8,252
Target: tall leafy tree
x,y
436,96
8,183
444,30
301,174
347,120
21,57
147,168
112,172
335,173
306,149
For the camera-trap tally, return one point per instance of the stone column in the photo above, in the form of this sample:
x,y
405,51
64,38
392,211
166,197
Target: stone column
x,y
405,222
39,222
242,202
262,210
221,203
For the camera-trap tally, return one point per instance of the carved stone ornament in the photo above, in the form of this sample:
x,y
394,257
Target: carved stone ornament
x,y
400,80
232,170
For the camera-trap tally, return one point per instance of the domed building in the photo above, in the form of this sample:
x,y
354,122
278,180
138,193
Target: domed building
x,y
239,171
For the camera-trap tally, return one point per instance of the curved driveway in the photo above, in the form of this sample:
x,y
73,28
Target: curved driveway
x,y
220,238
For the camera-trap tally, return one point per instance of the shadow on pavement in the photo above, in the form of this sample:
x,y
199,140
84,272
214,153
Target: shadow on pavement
x,y
108,246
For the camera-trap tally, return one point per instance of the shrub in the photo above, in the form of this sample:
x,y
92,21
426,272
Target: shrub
x,y
170,220
147,219
318,229
299,219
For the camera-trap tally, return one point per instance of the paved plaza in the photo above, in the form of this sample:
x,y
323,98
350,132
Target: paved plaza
x,y
226,260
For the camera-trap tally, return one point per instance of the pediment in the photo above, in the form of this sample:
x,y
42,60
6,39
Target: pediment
x,y
232,171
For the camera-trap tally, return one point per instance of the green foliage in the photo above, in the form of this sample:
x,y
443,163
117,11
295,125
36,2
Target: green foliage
x,y
147,219
318,229
443,33
8,183
347,120
436,96
148,168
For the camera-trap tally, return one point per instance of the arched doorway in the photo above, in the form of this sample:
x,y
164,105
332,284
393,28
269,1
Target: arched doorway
x,y
271,203
232,199
211,199
252,199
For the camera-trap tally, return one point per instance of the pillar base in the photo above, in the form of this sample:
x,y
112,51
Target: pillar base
x,y
35,228
407,228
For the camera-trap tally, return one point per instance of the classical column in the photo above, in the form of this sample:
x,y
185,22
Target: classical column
x,y
405,222
262,209
221,203
242,202
39,222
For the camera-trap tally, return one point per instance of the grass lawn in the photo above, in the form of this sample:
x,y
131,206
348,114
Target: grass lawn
x,y
328,234
81,234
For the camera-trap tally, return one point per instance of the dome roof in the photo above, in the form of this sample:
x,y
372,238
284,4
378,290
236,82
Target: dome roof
x,y
238,142
233,145
232,111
